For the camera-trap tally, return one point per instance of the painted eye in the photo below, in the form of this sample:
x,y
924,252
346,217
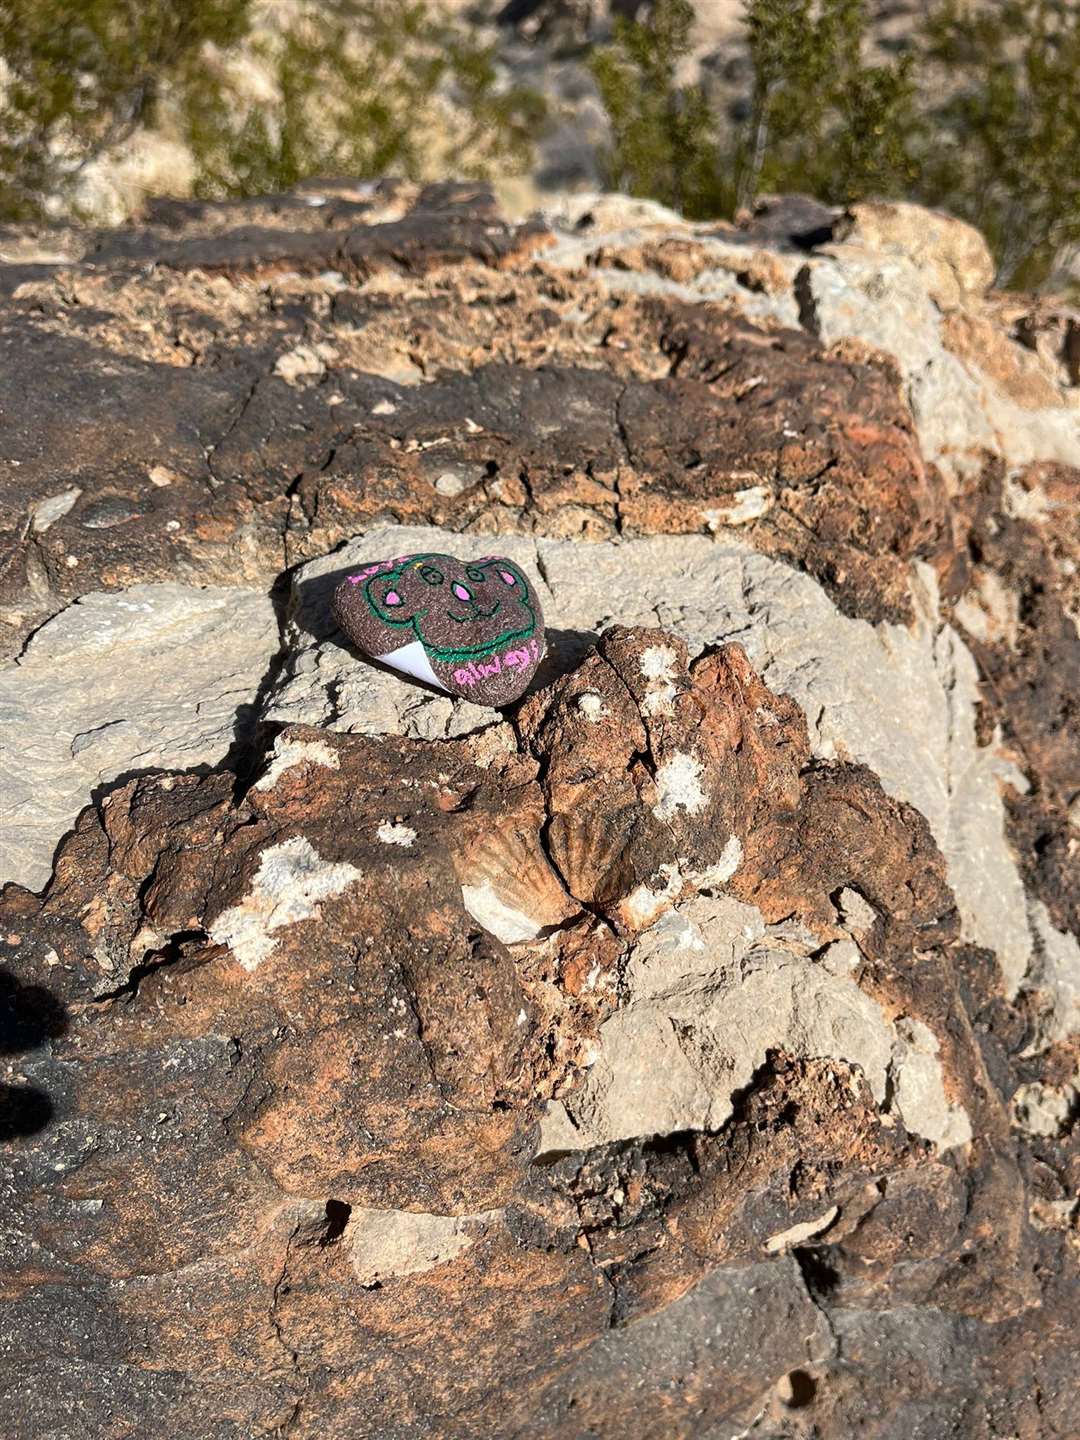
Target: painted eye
x,y
462,593
475,573
506,577
430,575
393,598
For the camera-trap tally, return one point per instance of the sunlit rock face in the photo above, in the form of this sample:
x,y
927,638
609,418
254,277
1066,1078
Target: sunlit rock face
x,y
685,1047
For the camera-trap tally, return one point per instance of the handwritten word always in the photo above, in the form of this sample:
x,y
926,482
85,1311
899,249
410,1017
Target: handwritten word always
x,y
478,670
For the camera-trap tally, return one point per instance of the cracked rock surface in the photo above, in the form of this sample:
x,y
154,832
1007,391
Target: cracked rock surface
x,y
689,1050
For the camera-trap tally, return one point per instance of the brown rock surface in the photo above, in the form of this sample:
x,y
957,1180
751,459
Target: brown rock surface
x,y
298,1077
623,1065
1019,614
216,403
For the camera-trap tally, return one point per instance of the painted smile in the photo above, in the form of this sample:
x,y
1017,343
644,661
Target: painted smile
x,y
477,613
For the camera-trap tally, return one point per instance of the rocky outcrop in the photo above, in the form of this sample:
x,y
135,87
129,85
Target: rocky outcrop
x,y
690,1048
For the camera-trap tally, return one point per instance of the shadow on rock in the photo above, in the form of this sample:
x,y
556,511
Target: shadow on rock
x,y
30,1016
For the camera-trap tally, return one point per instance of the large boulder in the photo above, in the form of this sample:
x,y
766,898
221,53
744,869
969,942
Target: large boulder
x,y
687,1049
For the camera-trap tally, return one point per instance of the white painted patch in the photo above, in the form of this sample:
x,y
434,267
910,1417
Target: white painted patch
x,y
391,834
288,753
44,513
499,919
678,786
291,880
412,659
658,662
384,407
592,707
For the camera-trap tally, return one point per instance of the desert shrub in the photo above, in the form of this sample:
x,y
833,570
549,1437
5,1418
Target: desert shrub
x,y
358,93
664,134
76,79
1005,151
980,116
357,87
821,119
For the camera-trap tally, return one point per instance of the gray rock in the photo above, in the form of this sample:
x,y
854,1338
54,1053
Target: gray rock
x,y
711,990
901,701
859,290
152,676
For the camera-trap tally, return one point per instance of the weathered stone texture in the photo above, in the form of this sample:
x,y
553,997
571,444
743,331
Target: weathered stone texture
x,y
688,1050
298,1003
158,676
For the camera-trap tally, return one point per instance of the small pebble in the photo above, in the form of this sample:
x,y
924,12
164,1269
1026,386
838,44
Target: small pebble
x,y
104,514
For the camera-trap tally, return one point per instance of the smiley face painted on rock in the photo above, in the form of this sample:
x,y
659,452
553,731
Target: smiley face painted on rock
x,y
457,611
472,627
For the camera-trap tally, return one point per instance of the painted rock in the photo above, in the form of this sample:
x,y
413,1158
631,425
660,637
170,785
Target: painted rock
x,y
470,627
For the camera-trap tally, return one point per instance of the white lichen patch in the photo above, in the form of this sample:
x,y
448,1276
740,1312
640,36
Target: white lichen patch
x,y
291,880
658,663
304,361
1042,1110
506,923
678,786
492,744
651,898
746,506
592,707
659,701
711,877
287,753
395,834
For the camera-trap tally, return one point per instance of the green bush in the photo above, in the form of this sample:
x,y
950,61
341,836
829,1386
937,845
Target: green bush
x,y
80,77
357,81
1000,149
821,120
664,135
1004,151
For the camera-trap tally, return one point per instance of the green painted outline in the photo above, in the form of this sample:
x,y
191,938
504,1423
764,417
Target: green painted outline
x,y
451,655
